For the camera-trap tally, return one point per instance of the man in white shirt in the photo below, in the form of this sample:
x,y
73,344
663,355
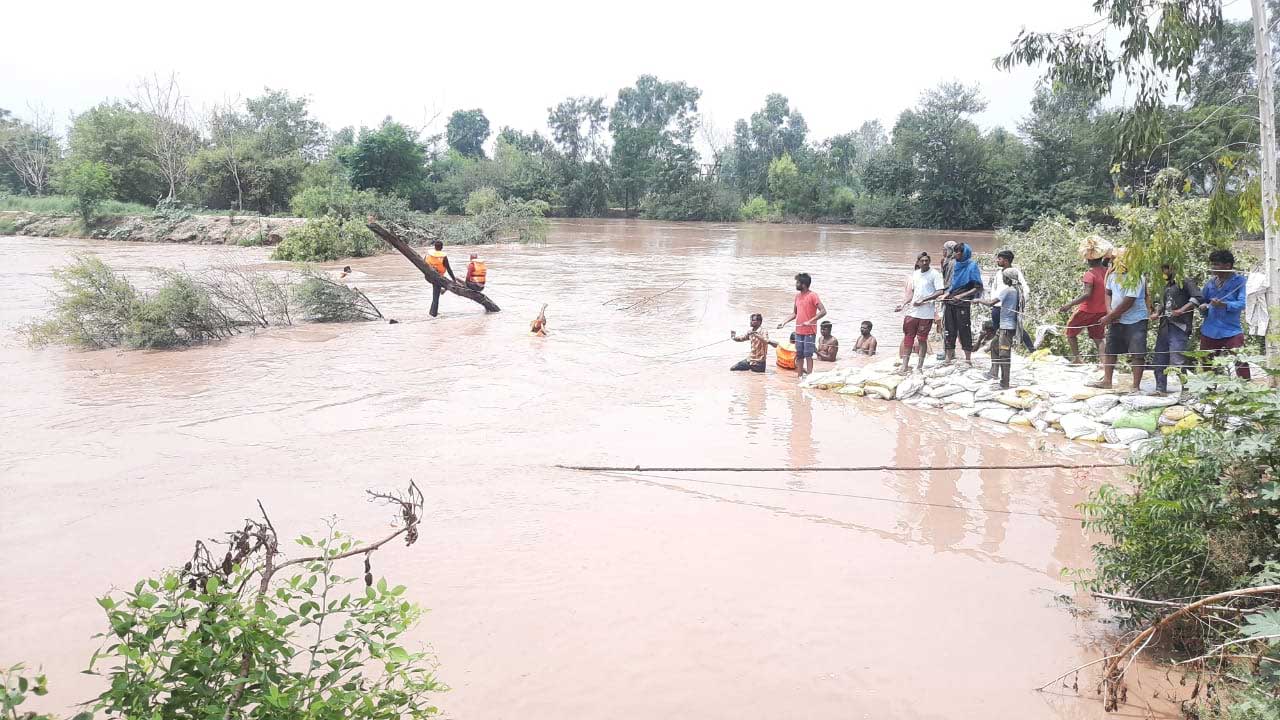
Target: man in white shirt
x,y
923,287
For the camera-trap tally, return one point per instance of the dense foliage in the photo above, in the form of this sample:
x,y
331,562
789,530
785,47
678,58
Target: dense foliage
x,y
326,238
651,152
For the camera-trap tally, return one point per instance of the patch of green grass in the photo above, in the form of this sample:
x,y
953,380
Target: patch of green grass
x,y
257,239
66,205
8,227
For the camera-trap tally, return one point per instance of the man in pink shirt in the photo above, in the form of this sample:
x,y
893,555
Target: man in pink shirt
x,y
807,311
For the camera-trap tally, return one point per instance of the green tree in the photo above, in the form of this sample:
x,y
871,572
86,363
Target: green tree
x,y
948,153
580,165
115,135
389,159
466,132
653,125
772,131
89,183
786,186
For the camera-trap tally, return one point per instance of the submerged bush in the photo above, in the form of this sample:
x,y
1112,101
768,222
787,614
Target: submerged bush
x,y
96,308
326,239
92,308
323,300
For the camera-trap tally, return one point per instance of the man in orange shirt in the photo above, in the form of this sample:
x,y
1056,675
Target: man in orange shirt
x,y
806,311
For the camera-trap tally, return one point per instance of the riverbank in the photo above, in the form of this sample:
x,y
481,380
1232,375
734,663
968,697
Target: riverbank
x,y
157,228
1046,395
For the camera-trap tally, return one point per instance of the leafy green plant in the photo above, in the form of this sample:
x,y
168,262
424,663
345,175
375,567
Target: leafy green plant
x,y
326,239
1204,507
92,307
483,200
90,184
757,209
246,633
8,226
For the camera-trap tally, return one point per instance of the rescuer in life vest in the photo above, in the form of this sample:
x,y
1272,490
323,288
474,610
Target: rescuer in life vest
x,y
440,263
476,273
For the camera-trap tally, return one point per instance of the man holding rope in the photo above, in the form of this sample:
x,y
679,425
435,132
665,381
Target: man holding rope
x,y
806,311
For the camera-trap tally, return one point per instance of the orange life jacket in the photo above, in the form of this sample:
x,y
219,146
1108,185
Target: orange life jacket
x,y
435,259
476,273
787,356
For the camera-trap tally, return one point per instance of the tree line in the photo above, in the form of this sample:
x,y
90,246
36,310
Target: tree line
x,y
651,153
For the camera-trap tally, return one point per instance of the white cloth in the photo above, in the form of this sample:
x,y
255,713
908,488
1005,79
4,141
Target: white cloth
x,y
995,281
924,284
1255,303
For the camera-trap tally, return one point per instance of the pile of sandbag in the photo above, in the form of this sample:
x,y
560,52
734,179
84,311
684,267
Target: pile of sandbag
x,y
1047,395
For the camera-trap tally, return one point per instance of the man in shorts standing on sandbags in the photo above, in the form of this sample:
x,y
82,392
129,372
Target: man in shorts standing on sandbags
x,y
923,287
806,311
1092,301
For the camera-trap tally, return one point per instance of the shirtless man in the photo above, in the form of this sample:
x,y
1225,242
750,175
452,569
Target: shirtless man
x,y
828,346
866,344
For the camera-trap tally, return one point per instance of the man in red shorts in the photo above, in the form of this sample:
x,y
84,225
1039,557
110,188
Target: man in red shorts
x,y
1092,302
923,287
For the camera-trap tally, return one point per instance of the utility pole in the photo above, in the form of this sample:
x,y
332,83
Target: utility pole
x,y
1267,128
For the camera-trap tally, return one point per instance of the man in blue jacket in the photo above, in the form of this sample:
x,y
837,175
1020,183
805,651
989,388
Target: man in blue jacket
x,y
1223,297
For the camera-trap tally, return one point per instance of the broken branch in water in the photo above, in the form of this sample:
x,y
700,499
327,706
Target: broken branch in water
x,y
645,300
1113,684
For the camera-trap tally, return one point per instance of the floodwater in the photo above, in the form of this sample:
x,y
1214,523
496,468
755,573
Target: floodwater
x,y
554,593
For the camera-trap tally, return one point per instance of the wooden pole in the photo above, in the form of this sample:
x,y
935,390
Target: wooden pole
x,y
1267,131
429,273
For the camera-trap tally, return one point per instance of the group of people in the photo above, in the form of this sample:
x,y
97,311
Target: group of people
x,y
811,339
1112,308
477,273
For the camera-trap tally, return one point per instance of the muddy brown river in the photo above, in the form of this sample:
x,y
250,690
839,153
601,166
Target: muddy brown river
x,y
557,594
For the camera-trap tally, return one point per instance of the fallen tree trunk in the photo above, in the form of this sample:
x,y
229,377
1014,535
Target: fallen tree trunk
x,y
428,273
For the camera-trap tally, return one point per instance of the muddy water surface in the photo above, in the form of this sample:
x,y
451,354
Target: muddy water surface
x,y
553,593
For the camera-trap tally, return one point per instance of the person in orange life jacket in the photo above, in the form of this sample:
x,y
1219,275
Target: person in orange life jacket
x,y
476,273
440,263
786,355
806,311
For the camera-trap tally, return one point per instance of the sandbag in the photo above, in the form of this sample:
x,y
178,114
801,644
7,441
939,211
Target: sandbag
x,y
1020,398
963,399
941,391
909,387
1174,413
1086,393
877,391
969,384
1077,425
962,411
1040,424
1188,422
1115,413
1099,404
1145,402
1067,408
940,371
1142,419
853,390
1022,419
1000,415
888,382
1125,436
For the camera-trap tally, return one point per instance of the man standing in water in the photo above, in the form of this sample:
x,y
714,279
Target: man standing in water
x,y
759,353
828,346
440,263
923,287
806,311
966,283
867,343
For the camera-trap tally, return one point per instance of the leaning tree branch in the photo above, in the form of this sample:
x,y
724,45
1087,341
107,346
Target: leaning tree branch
x,y
428,273
1113,674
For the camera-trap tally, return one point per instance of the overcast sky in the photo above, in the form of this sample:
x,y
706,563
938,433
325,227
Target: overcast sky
x,y
840,63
